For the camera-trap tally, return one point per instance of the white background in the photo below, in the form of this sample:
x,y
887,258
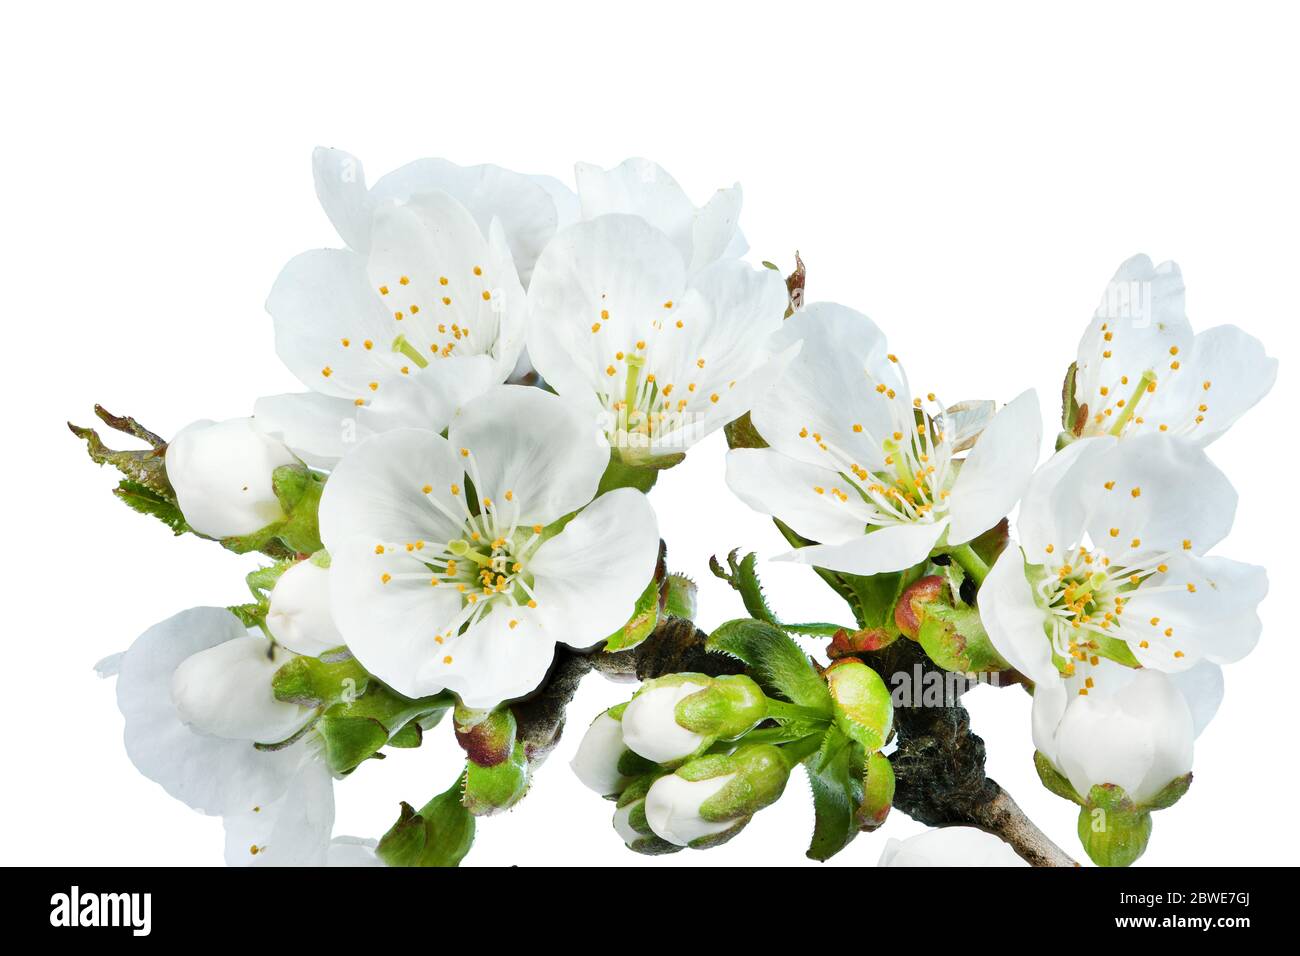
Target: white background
x,y
968,176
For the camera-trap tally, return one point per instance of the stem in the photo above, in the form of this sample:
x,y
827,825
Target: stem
x,y
970,562
1005,820
783,710
800,750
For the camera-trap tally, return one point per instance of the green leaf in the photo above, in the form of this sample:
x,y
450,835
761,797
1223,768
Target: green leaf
x,y
145,500
835,774
776,661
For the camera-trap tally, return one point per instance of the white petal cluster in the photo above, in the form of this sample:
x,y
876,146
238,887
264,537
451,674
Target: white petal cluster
x,y
195,691
860,466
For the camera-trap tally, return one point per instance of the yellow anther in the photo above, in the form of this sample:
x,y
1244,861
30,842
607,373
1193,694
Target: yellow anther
x,y
327,371
368,345
383,290
1136,492
1114,532
385,577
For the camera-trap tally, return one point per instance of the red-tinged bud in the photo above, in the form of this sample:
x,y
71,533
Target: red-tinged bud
x,y
909,613
851,643
488,738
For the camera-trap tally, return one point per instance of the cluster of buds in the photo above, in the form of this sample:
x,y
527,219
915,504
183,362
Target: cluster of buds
x,y
674,760
690,758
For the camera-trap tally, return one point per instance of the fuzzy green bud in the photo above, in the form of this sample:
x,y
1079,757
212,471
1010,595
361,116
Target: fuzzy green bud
x,y
863,710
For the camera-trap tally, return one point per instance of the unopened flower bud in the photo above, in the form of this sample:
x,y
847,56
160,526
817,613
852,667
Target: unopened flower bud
x,y
603,761
1112,828
877,792
631,825
862,706
299,614
492,789
709,800
225,691
221,472
487,737
672,718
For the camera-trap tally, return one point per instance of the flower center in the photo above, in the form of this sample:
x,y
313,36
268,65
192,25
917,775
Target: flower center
x,y
1117,403
911,483
1094,606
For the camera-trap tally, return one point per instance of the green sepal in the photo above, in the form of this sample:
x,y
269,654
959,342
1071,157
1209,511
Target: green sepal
x,y
1054,780
955,639
439,835
298,489
312,682
1170,794
627,469
1113,830
409,737
355,730
776,661
761,772
492,789
679,597
728,707
877,793
741,433
834,772
645,616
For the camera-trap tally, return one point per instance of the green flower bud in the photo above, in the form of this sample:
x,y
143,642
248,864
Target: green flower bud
x,y
680,597
439,835
877,792
711,799
863,710
1113,830
678,716
487,737
492,789
313,682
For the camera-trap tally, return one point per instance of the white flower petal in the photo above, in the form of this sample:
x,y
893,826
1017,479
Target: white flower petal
x,y
318,428
221,472
1226,373
596,761
524,205
672,808
716,227
615,272
322,299
589,576
995,473
493,662
890,548
950,846
225,691
544,452
376,492
341,189
1202,689
773,484
352,851
299,613
640,188
1180,496
1139,738
1216,619
831,387
291,831
1054,507
1141,318
650,725
1014,621
211,774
